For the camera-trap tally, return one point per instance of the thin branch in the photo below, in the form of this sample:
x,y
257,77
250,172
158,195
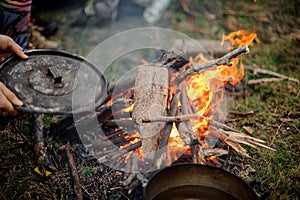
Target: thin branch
x,y
73,170
179,118
40,149
235,112
257,70
225,60
264,80
187,117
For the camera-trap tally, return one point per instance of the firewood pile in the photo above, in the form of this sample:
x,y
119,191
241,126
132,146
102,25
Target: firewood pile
x,y
134,129
156,116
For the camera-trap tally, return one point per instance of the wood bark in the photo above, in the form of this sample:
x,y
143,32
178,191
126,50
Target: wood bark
x,y
151,96
40,149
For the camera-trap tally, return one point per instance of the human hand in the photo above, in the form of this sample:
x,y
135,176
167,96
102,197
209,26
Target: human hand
x,y
9,46
7,97
7,100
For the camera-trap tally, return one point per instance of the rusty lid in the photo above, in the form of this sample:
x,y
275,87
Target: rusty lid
x,y
54,82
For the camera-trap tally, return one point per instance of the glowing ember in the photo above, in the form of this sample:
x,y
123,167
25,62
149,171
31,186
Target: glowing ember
x,y
176,145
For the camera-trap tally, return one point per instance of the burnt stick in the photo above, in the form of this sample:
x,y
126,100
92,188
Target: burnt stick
x,y
168,127
225,60
188,131
114,155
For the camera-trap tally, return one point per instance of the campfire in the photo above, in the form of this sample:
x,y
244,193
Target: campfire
x,y
169,109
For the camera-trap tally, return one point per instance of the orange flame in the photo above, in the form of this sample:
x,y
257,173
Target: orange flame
x,y
205,89
176,145
240,38
205,92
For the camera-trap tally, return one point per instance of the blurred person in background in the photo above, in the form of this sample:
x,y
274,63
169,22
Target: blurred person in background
x,y
14,19
105,11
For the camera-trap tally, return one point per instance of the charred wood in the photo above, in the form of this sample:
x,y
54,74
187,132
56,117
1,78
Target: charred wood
x,y
225,60
112,155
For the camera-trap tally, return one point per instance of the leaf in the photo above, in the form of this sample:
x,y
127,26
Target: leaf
x,y
37,170
47,173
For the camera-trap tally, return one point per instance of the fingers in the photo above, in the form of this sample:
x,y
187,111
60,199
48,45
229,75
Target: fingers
x,y
7,106
14,47
8,99
8,44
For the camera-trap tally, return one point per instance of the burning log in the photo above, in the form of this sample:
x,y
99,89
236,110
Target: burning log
x,y
103,113
107,143
168,126
225,60
166,131
119,137
118,105
155,112
128,123
126,85
113,155
187,132
211,47
227,134
151,95
134,179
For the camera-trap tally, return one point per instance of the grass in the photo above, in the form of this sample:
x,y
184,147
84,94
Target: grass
x,y
277,120
277,105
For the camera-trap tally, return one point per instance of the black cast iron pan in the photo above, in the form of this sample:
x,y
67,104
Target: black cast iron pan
x,y
54,82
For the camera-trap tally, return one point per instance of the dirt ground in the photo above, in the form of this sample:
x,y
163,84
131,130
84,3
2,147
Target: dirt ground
x,y
266,110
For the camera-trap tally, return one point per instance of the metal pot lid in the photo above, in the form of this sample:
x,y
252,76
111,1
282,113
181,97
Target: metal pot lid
x,y
54,82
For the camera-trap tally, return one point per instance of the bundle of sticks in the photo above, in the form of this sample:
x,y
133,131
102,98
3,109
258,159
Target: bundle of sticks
x,y
120,131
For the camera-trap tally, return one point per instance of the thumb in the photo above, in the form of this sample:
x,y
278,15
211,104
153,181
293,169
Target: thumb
x,y
10,95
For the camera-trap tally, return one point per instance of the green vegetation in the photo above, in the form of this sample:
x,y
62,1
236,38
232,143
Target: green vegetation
x,y
277,105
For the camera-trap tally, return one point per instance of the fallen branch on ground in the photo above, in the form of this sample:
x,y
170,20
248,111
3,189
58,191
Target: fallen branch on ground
x,y
280,77
264,80
73,171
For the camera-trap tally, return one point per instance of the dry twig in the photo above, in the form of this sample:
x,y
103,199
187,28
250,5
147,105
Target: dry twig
x,y
229,135
280,77
73,170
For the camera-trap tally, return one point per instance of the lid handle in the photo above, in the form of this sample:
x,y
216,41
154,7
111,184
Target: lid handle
x,y
53,71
